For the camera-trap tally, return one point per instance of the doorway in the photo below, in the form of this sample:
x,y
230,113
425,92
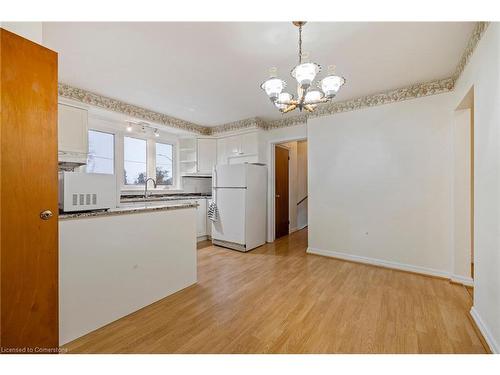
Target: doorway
x,y
289,187
281,190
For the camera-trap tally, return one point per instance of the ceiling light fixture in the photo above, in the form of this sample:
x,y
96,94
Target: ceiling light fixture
x,y
304,73
142,127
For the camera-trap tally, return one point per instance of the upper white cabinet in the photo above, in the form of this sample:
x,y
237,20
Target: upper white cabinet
x,y
207,154
249,143
197,155
72,134
221,151
233,145
240,148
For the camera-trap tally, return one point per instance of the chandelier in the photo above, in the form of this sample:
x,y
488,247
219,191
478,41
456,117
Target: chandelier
x,y
304,73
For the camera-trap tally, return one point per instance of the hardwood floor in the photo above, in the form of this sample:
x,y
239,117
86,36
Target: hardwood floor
x,y
278,299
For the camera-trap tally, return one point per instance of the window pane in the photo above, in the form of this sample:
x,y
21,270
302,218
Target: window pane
x,y
164,169
101,153
134,152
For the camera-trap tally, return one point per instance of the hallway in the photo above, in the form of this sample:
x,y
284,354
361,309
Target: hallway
x,y
278,299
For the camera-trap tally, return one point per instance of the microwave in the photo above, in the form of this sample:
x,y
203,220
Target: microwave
x,y
86,191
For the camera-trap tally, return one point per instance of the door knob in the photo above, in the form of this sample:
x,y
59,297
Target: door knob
x,y
277,195
46,215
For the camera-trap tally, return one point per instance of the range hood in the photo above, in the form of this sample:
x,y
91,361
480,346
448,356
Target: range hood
x,y
71,160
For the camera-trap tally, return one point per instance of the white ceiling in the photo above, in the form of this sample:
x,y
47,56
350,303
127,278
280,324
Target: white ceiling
x,y
210,73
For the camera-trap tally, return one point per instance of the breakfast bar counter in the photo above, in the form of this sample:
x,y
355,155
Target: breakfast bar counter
x,y
125,210
112,263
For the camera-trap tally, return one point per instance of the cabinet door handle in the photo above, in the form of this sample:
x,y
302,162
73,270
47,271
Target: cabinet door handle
x,y
46,215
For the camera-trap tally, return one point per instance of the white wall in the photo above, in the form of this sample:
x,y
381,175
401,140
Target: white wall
x,y
28,30
379,184
482,72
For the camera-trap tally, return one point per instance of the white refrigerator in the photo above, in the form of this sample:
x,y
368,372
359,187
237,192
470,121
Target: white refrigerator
x,y
239,193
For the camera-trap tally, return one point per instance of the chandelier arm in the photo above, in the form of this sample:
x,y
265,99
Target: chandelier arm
x,y
289,102
289,108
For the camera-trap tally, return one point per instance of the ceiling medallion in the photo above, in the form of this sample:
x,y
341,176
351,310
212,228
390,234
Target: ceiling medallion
x,y
305,72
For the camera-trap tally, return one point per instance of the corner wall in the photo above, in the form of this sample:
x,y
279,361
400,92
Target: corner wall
x,y
482,72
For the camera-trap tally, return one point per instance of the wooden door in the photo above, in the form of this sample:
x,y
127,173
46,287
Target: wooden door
x,y
28,186
281,159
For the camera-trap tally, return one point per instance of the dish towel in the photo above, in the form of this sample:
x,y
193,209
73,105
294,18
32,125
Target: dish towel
x,y
213,211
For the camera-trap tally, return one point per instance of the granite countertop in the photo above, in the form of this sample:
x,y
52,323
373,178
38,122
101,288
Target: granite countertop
x,y
163,197
125,210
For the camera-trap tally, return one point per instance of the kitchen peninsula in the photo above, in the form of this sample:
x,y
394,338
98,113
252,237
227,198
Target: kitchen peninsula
x,y
112,263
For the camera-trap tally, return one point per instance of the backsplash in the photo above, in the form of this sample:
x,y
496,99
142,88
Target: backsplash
x,y
197,184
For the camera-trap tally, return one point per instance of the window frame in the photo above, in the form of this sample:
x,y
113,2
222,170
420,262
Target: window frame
x,y
114,148
118,129
173,163
150,163
128,186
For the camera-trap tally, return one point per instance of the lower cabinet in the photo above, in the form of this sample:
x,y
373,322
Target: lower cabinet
x,y
201,217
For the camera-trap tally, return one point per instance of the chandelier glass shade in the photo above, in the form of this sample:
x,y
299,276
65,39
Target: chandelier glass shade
x,y
304,73
273,87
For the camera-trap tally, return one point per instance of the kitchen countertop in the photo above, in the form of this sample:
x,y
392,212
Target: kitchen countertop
x,y
125,210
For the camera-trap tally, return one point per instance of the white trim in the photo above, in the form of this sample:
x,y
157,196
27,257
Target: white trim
x,y
291,230
464,280
379,262
488,337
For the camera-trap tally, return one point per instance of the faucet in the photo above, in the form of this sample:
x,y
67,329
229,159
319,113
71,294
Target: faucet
x,y
146,186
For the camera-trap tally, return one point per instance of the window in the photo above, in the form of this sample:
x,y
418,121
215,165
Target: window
x,y
134,161
101,152
164,164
